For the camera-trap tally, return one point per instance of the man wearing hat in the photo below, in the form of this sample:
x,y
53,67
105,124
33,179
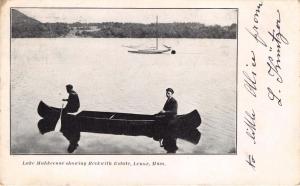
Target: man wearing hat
x,y
170,107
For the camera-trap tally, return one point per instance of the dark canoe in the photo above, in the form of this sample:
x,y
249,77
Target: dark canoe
x,y
182,126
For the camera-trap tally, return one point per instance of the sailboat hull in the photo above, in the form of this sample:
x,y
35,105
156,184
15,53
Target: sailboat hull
x,y
148,51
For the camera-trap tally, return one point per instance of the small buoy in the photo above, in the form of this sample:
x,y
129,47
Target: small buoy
x,y
173,52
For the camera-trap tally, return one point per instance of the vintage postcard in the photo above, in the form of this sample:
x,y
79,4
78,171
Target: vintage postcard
x,y
150,92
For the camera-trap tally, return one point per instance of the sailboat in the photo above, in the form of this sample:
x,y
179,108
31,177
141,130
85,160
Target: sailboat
x,y
152,50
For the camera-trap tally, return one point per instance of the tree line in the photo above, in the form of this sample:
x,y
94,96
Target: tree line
x,y
27,27
163,30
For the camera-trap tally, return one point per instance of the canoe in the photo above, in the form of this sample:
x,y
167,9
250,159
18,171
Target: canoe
x,y
182,126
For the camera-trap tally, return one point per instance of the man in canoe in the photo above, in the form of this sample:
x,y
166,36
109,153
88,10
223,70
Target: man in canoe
x,y
168,112
73,101
69,130
171,106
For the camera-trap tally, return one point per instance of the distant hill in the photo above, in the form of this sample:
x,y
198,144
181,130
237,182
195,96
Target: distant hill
x,y
25,27
21,19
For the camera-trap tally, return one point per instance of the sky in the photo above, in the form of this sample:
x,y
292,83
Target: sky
x,y
221,17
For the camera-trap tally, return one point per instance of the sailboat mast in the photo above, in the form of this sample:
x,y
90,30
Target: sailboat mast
x,y
156,32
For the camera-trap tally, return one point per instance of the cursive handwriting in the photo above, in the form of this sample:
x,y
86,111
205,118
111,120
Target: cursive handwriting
x,y
251,161
272,96
249,120
279,38
274,68
274,64
272,43
250,82
254,32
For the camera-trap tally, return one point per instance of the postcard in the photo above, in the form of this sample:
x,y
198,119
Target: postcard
x,y
160,93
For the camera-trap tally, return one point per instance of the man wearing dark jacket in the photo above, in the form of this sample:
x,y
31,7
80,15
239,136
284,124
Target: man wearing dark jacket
x,y
73,101
70,130
171,106
168,112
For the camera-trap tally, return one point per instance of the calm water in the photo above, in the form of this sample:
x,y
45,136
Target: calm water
x,y
108,78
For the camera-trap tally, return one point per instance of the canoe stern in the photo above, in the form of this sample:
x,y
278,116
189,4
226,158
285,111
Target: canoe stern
x,y
50,117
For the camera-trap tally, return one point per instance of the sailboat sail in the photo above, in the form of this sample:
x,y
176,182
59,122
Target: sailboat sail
x,y
152,50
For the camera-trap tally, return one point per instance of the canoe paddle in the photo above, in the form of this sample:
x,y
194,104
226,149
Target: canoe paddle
x,y
57,128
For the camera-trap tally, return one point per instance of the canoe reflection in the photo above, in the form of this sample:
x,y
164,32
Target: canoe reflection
x,y
182,127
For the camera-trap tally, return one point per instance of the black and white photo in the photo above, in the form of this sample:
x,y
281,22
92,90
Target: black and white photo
x,y
123,81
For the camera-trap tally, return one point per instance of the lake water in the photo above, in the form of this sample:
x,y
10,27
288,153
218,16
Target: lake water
x,y
108,78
